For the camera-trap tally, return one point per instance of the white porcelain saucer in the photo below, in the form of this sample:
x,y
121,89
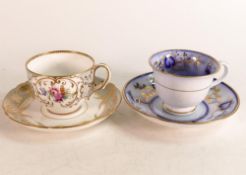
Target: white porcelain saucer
x,y
140,94
21,107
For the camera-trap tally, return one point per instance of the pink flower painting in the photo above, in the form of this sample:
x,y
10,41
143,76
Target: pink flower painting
x,y
57,94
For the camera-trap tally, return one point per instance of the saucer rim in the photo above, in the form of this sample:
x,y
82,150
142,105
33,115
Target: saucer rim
x,y
123,92
81,126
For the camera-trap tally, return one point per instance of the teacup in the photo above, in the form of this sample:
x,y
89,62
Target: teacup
x,y
183,78
63,80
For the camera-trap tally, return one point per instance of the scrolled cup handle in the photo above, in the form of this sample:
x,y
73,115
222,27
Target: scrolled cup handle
x,y
103,84
224,74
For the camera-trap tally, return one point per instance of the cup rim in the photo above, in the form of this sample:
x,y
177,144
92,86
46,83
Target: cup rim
x,y
54,52
182,76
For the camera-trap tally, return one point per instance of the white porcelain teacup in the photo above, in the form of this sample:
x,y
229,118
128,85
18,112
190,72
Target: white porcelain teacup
x,y
62,80
183,78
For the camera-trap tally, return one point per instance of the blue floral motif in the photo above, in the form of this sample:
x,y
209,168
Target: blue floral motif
x,y
226,105
43,91
169,62
208,69
184,63
139,86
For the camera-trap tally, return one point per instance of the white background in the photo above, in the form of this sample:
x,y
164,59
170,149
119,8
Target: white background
x,y
123,34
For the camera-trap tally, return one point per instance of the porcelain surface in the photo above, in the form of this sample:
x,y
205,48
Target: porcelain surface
x,y
184,77
140,94
63,79
21,107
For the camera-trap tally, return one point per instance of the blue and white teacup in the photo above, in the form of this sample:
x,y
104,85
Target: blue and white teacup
x,y
183,78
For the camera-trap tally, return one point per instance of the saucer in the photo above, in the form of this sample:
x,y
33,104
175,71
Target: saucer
x,y
21,107
140,94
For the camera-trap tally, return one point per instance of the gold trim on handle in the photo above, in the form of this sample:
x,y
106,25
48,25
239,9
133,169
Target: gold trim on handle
x,y
106,81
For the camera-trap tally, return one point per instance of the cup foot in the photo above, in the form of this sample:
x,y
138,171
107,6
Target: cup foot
x,y
179,111
47,113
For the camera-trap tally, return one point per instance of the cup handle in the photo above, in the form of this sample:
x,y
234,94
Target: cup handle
x,y
103,84
219,80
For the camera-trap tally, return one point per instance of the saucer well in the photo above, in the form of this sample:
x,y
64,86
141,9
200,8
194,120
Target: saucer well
x,y
140,94
21,107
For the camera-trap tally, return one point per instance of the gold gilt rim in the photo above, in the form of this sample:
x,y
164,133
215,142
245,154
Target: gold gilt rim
x,y
201,76
181,123
58,128
57,52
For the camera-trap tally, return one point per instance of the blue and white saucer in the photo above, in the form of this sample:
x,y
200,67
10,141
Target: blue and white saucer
x,y
140,94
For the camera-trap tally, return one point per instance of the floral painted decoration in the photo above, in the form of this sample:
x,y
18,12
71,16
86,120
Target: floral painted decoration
x,y
57,93
169,61
63,92
138,86
225,105
208,69
184,63
147,92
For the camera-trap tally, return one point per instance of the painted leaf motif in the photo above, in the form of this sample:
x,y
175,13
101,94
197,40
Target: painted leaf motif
x,y
62,90
225,105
